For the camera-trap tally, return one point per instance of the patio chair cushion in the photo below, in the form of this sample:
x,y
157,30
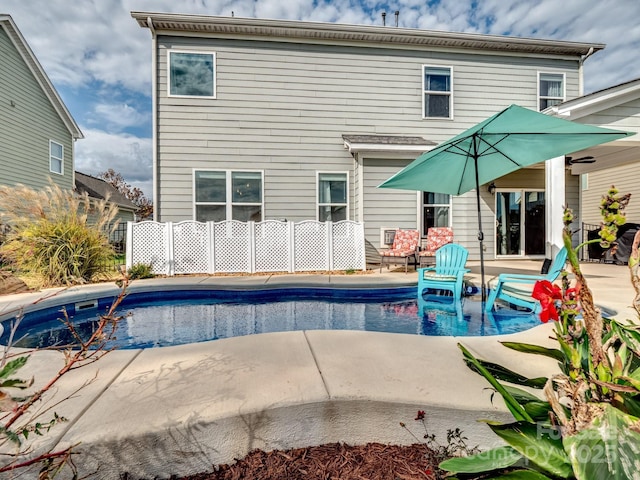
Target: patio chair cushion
x,y
405,244
436,238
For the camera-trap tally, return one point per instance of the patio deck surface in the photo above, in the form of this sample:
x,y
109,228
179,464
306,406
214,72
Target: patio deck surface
x,y
194,406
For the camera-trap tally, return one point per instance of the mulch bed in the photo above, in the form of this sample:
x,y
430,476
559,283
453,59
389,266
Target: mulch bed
x,y
334,461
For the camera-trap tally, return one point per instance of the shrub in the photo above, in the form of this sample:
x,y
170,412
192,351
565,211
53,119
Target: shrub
x,y
56,234
586,422
140,270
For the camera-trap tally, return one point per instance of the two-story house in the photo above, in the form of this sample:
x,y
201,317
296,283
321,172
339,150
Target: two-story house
x,y
37,132
268,119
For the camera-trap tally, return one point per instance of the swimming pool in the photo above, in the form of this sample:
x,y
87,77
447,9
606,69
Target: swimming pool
x,y
176,317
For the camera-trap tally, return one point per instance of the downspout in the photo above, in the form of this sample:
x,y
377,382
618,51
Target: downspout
x,y
154,121
581,71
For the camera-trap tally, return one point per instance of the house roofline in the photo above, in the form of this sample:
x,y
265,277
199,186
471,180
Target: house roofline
x,y
289,30
42,78
597,101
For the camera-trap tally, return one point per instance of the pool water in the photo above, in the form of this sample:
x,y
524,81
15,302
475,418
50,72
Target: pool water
x,y
160,319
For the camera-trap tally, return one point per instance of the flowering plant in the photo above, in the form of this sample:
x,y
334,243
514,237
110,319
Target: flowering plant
x,y
586,422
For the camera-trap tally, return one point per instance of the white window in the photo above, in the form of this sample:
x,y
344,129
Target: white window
x,y
332,196
550,89
436,210
56,158
192,74
228,195
437,88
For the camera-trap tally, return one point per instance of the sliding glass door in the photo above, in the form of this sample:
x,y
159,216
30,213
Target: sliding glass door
x,y
520,223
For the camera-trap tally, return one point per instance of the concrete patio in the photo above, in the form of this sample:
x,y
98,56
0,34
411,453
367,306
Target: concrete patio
x,y
179,410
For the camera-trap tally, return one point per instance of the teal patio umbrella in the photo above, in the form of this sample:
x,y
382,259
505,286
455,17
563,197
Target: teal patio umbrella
x,y
509,140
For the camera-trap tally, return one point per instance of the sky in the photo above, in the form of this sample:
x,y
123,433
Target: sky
x,y
99,59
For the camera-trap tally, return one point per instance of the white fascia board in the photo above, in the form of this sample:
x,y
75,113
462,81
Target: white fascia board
x,y
594,103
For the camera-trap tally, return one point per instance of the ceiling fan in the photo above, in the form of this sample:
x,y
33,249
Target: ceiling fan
x,y
587,159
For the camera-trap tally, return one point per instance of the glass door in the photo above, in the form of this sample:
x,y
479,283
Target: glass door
x,y
520,223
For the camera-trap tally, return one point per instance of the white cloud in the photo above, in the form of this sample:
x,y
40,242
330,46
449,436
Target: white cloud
x,y
126,154
117,117
95,44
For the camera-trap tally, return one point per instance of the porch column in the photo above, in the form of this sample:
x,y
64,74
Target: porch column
x,y
554,204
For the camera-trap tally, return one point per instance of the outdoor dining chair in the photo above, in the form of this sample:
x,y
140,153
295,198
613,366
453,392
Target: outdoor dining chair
x,y
448,274
436,238
516,289
404,248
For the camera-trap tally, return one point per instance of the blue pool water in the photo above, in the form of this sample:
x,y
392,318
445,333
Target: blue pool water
x,y
157,319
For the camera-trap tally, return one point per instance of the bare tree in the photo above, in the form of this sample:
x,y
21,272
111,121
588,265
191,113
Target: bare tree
x,y
137,197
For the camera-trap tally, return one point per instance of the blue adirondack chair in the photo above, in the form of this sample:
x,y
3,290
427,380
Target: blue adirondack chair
x,y
448,273
516,289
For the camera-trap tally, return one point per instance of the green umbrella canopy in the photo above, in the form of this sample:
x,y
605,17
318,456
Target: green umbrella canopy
x,y
509,140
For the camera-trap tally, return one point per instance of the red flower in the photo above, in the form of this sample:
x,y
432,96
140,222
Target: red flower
x,y
547,293
420,415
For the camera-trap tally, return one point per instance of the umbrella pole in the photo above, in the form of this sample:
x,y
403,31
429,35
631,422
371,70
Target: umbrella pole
x,y
480,234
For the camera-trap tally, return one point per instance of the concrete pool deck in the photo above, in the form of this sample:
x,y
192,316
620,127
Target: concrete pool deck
x,y
179,410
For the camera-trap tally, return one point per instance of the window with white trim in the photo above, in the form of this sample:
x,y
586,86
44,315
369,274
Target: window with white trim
x,y
437,88
332,196
191,74
550,89
436,210
56,157
228,195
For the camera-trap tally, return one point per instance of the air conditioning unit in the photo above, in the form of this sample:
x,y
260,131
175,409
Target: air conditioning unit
x,y
387,234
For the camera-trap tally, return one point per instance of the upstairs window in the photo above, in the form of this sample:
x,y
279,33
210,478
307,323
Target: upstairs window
x,y
228,195
551,89
332,197
437,99
192,74
56,158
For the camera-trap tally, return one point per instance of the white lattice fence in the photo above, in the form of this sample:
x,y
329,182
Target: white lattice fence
x,y
232,246
273,246
149,243
191,243
348,241
311,246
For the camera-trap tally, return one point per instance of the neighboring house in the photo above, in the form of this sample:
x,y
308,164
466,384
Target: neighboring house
x,y
615,163
37,132
98,189
268,119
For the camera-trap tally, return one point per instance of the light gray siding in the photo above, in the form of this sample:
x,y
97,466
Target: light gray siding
x,y
626,178
386,207
282,108
621,117
28,122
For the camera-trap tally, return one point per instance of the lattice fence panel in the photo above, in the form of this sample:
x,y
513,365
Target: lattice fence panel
x,y
231,247
310,239
190,247
149,242
348,246
272,246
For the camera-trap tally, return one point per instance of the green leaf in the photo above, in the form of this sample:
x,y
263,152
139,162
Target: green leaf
x,y
495,459
514,407
13,366
535,349
627,334
607,449
506,375
541,444
538,409
521,475
16,383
